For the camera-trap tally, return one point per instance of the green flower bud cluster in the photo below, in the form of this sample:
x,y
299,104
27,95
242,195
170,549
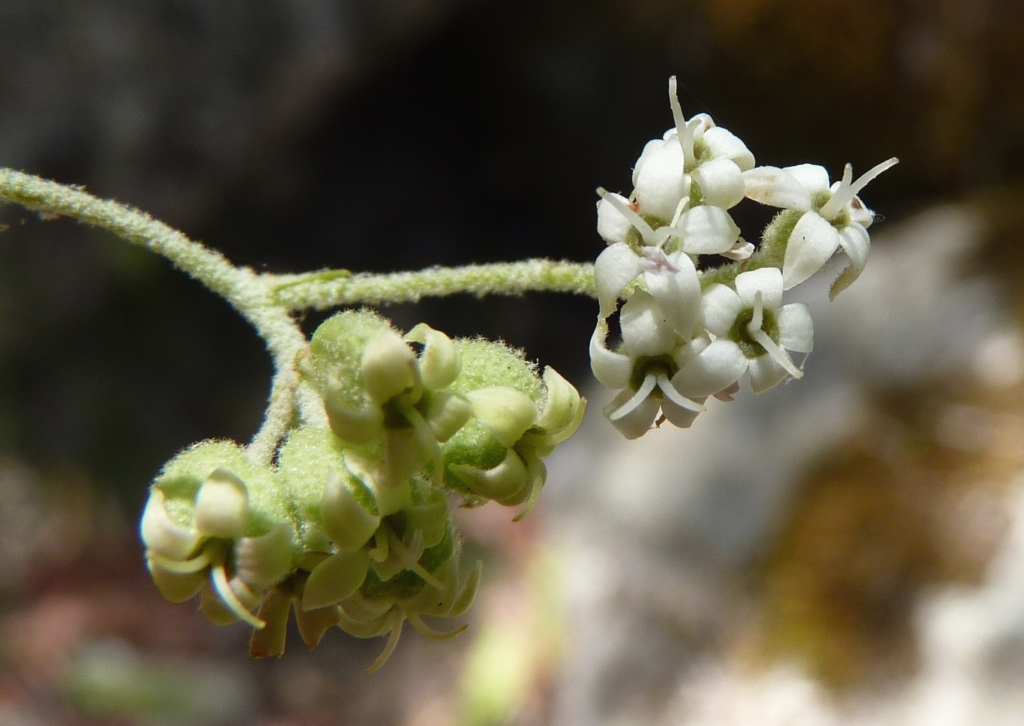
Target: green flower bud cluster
x,y
352,525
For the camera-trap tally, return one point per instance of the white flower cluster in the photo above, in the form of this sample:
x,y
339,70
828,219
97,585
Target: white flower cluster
x,y
687,333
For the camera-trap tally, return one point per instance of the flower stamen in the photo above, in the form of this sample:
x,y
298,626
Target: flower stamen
x,y
848,189
645,230
674,396
220,583
650,382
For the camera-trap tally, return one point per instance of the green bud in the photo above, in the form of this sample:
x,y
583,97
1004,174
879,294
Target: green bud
x,y
218,524
518,419
486,365
336,353
308,462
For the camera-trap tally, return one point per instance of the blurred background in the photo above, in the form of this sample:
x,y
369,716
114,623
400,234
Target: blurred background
x,y
842,550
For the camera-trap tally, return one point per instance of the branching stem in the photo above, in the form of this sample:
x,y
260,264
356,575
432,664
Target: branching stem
x,y
267,301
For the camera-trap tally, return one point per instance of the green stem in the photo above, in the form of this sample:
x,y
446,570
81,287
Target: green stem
x,y
329,288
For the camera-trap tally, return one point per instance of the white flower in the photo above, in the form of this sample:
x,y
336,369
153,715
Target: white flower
x,y
643,367
670,276
694,151
754,330
833,216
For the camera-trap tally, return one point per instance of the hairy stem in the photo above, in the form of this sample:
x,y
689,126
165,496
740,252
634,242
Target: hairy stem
x,y
333,288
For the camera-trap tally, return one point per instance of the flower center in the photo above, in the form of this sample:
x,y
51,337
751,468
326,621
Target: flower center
x,y
644,368
740,332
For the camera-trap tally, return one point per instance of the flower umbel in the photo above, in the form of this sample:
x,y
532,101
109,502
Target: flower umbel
x,y
692,330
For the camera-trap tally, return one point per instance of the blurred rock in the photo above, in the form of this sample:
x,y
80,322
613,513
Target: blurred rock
x,y
819,526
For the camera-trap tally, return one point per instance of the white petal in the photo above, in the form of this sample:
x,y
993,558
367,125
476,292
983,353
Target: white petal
x,y
719,307
796,329
651,149
389,367
446,412
161,534
707,230
616,267
813,177
720,182
740,251
505,483
765,373
860,214
645,332
612,224
671,395
725,144
334,579
222,506
810,246
660,180
856,243
638,421
174,586
720,365
439,362
347,522
677,294
504,411
610,369
263,561
679,416
767,281
776,188
685,353
561,413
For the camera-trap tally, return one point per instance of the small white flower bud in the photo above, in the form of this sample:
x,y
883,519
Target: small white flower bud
x,y
389,368
348,523
440,363
720,181
222,506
